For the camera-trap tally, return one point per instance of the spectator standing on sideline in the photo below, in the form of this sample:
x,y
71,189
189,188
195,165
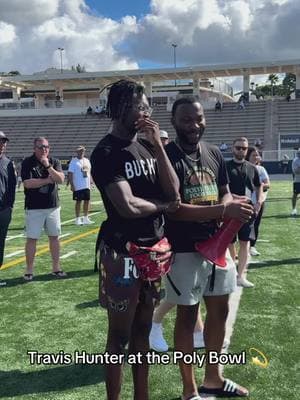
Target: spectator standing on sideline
x,y
253,157
296,181
79,176
7,194
137,183
243,181
205,201
41,174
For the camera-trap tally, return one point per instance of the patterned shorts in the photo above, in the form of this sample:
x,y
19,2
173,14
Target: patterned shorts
x,y
119,284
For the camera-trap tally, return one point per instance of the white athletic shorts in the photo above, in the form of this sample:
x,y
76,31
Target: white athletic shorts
x,y
191,275
47,219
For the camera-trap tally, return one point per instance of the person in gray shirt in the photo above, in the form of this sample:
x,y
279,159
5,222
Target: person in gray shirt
x,y
296,181
7,194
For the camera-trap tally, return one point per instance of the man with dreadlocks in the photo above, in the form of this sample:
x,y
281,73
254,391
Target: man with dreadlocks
x,y
137,184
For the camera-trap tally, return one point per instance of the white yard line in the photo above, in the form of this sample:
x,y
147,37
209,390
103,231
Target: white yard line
x,y
263,240
64,235
15,253
73,219
71,253
14,237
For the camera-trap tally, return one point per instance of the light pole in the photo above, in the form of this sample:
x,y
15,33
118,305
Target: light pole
x,y
61,49
174,45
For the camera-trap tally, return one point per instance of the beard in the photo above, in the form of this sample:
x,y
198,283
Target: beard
x,y
190,137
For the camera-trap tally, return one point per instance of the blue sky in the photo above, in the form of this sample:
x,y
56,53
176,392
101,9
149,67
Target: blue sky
x,y
116,9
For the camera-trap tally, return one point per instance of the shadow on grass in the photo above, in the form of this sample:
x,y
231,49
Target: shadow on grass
x,y
274,263
17,383
48,277
88,304
284,216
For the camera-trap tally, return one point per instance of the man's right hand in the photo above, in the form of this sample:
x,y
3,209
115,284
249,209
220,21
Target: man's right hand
x,y
239,209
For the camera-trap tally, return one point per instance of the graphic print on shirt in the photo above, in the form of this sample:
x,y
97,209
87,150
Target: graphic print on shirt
x,y
136,168
200,187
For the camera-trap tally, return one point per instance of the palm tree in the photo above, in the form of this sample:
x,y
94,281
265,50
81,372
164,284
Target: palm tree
x,y
273,79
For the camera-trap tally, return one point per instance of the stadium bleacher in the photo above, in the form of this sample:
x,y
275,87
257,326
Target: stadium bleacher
x,y
263,120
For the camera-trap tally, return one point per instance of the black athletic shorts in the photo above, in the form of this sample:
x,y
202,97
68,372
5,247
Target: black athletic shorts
x,y
245,233
296,187
83,194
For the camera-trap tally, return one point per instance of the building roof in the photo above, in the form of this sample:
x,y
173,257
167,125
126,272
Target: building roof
x,y
54,77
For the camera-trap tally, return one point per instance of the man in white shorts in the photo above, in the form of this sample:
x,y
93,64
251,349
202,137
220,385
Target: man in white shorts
x,y
40,175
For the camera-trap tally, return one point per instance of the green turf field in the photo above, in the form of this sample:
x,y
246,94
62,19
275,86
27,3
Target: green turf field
x,y
60,317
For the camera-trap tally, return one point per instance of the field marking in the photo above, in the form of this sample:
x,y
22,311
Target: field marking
x,y
14,237
263,240
15,253
71,253
73,219
45,248
64,235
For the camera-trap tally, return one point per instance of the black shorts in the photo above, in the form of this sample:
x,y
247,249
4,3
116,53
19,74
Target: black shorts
x,y
120,287
245,233
296,187
83,194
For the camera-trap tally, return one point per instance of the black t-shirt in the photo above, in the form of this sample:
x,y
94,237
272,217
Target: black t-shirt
x,y
199,185
7,183
46,196
114,160
243,177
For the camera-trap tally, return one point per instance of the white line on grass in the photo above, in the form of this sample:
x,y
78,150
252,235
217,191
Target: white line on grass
x,y
73,219
263,240
15,253
14,237
71,253
64,235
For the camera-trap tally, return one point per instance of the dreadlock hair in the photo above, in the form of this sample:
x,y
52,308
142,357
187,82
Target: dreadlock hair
x,y
120,98
183,100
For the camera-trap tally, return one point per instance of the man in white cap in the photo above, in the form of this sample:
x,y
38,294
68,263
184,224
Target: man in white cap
x,y
79,174
7,194
164,137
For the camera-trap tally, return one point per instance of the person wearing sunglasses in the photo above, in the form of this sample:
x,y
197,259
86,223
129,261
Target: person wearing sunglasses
x,y
243,182
40,175
7,194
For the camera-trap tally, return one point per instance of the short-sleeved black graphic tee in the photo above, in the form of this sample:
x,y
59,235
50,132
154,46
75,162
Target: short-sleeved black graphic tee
x,y
199,184
45,196
115,160
243,178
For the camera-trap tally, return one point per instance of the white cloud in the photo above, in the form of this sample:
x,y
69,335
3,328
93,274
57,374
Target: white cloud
x,y
91,41
205,31
7,34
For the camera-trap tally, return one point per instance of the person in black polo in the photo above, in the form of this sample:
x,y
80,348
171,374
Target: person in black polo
x,y
40,175
243,181
7,194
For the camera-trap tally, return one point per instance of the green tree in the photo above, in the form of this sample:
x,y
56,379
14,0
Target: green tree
x,y
14,73
289,83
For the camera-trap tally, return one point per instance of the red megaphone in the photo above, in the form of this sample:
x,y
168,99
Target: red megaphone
x,y
214,249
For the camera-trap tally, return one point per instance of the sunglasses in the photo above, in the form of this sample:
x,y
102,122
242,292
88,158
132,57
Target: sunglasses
x,y
3,141
239,148
42,147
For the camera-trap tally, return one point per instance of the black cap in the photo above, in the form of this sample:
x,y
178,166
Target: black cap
x,y
3,136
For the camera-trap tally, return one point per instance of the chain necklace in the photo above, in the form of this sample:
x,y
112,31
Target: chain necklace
x,y
189,157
